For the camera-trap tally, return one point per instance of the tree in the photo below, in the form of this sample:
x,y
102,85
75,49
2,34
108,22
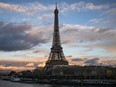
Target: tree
x,y
27,74
12,73
109,73
38,72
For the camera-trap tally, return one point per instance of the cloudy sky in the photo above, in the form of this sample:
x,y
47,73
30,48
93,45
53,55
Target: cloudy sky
x,y
87,30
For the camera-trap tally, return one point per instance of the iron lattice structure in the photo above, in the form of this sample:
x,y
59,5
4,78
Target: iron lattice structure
x,y
56,56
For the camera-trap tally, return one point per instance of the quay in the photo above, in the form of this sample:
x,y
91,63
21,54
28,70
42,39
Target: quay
x,y
53,81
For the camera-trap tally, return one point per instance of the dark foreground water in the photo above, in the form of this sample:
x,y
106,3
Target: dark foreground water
x,y
17,84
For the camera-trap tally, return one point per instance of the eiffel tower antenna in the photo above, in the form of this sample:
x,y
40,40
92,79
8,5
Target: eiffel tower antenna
x,y
56,5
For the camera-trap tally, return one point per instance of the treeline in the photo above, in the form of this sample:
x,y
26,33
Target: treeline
x,y
68,72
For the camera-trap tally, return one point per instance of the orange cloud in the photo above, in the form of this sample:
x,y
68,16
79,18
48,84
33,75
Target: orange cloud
x,y
30,65
109,62
41,65
15,68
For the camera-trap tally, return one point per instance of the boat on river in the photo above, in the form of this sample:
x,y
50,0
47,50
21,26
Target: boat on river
x,y
15,79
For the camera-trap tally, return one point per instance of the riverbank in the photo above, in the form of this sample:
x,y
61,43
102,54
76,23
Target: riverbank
x,y
4,83
82,82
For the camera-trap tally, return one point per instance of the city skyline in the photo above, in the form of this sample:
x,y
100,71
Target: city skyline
x,y
87,30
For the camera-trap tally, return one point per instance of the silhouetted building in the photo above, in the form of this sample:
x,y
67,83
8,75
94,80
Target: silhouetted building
x,y
56,56
94,72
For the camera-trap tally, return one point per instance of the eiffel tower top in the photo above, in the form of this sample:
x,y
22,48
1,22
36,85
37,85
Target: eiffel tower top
x,y
56,10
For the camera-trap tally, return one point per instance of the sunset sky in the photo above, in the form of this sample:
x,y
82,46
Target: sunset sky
x,y
87,30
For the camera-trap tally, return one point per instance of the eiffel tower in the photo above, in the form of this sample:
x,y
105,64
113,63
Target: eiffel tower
x,y
56,56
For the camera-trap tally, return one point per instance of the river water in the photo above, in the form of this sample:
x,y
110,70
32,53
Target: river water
x,y
17,84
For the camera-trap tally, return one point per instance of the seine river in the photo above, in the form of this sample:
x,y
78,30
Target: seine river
x,y
17,84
